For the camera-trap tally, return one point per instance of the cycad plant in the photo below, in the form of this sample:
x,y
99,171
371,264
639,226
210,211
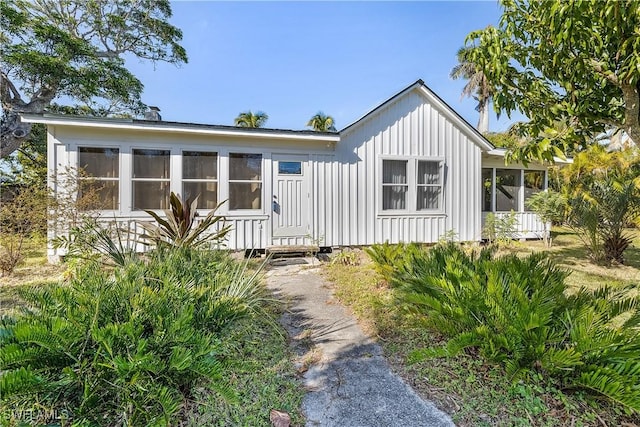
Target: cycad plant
x,y
516,312
179,227
125,347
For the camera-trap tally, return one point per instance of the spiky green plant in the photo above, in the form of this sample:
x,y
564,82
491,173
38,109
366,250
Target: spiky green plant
x,y
125,347
179,228
516,312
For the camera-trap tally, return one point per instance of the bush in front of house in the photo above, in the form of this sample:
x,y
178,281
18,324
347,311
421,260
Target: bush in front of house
x,y
517,312
127,346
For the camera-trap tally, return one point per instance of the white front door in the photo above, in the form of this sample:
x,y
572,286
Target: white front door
x,y
291,199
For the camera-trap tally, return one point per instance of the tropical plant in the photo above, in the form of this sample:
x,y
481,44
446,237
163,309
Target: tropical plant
x,y
126,347
77,49
478,86
321,122
179,227
346,257
600,214
517,312
572,62
93,240
551,207
249,119
387,258
500,228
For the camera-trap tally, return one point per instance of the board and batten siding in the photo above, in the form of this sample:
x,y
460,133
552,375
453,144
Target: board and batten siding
x,y
250,230
409,127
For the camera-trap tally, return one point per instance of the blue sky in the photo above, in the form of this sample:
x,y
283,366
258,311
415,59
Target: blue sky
x,y
292,59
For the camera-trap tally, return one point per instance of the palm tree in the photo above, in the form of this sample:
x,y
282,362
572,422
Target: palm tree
x,y
478,86
248,119
322,123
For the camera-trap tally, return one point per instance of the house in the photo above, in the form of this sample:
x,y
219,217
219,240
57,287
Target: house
x,y
411,169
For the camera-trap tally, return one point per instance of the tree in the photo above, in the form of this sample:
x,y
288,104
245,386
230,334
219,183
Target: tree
x,y
477,86
77,50
572,62
322,123
248,119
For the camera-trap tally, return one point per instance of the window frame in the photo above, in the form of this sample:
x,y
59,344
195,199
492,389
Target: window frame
x,y
230,181
521,193
201,180
412,184
168,181
97,178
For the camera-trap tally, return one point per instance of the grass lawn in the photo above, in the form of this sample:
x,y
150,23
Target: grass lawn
x,y
257,362
473,392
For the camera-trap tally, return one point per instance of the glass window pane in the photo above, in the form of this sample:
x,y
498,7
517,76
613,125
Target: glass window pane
x,y
150,195
428,172
507,189
394,172
245,195
151,164
99,162
245,166
290,168
533,184
487,180
394,197
428,198
97,194
199,165
207,193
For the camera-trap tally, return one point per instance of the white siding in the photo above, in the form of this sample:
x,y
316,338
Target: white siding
x,y
409,127
250,230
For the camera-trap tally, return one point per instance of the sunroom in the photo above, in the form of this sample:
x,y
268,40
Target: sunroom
x,y
506,190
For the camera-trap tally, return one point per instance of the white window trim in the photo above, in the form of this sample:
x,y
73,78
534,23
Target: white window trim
x,y
229,181
132,180
412,183
216,180
76,161
521,200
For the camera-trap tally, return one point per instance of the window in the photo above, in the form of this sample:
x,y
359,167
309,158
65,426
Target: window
x,y
99,176
290,168
507,189
245,181
429,185
533,184
394,185
412,185
487,190
151,179
200,177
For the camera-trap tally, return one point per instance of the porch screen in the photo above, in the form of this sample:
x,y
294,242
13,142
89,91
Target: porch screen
x,y
200,177
245,181
150,183
533,184
487,189
394,185
507,190
98,177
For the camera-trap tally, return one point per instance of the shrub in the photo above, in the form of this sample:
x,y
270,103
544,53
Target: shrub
x,y
551,207
125,347
500,229
601,213
516,312
387,257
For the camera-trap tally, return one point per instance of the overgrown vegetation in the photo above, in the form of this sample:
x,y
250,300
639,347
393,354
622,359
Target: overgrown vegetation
x,y
128,346
469,308
500,228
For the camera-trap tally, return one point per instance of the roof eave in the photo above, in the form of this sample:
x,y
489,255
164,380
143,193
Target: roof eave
x,y
128,124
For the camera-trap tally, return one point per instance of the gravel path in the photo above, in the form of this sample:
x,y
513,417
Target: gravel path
x,y
351,384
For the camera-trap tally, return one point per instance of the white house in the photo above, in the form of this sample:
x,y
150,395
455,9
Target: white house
x,y
409,170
